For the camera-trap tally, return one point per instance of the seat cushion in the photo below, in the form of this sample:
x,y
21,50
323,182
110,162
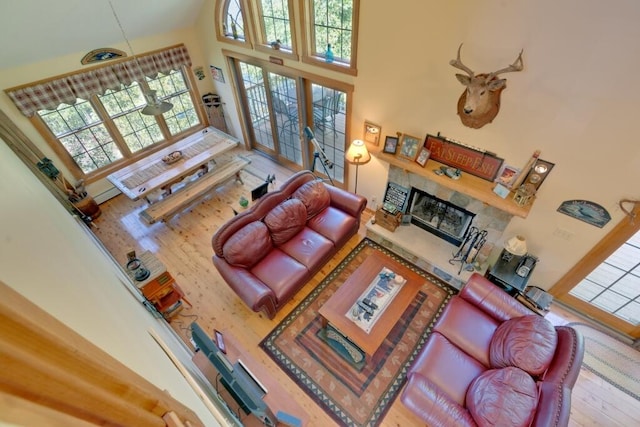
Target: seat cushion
x,y
447,367
505,397
315,197
281,273
335,225
528,342
308,248
469,328
286,220
248,245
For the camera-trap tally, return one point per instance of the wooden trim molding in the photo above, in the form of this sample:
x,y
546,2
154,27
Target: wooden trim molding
x,y
47,364
626,228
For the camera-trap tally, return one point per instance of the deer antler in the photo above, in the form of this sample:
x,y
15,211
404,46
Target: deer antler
x,y
517,65
457,63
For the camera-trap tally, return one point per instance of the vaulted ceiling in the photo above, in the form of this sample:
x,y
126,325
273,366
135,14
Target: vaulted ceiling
x,y
35,30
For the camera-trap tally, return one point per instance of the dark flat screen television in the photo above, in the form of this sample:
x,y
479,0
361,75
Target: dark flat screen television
x,y
240,383
259,191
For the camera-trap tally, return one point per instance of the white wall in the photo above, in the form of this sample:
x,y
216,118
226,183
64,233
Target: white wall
x,y
574,99
50,259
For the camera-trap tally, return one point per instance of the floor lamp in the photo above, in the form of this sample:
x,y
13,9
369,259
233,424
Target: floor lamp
x,y
357,154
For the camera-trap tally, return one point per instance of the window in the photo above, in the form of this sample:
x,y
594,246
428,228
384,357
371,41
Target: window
x,y
275,23
233,26
84,132
332,23
614,286
83,135
93,118
323,23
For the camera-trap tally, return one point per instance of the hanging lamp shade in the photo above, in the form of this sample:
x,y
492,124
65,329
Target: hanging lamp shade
x,y
154,105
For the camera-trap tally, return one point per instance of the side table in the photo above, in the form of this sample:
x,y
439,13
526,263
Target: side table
x,y
503,273
160,288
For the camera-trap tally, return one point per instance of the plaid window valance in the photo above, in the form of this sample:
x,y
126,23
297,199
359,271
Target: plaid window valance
x,y
50,94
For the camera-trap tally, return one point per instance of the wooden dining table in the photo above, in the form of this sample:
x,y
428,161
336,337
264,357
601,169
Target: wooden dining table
x,y
151,173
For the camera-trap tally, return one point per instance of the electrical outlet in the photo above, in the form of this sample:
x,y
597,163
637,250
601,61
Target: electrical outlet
x,y
374,203
563,233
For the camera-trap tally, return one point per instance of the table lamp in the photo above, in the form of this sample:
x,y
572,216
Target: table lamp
x,y
517,245
357,154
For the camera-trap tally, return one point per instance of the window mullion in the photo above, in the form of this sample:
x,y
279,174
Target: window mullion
x,y
110,125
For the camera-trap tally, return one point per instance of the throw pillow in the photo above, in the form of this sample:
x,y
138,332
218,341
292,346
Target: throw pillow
x,y
528,342
315,197
505,397
248,245
286,220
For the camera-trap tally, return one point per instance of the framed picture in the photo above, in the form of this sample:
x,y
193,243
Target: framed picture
x,y
423,156
409,146
372,133
507,175
390,145
216,73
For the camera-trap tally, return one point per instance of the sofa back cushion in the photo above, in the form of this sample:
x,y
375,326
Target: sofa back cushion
x,y
248,245
528,342
506,397
315,197
286,220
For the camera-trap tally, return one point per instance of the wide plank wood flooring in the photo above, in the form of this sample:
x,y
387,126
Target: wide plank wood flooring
x,y
183,244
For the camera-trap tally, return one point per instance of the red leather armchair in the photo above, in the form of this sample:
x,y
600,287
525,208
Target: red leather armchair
x,y
443,384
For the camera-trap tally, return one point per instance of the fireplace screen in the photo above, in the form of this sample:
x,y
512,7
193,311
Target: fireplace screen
x,y
444,219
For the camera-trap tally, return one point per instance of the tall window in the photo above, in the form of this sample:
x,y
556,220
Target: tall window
x,y
105,128
233,21
332,24
276,23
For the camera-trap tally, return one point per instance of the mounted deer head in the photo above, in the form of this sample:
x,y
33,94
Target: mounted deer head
x,y
480,102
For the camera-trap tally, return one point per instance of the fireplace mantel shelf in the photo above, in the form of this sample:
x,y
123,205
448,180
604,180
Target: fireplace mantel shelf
x,y
468,184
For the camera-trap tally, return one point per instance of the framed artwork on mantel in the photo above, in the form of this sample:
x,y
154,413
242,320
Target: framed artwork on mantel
x,y
409,146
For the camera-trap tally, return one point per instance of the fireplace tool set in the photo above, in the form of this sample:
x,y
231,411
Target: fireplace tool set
x,y
470,248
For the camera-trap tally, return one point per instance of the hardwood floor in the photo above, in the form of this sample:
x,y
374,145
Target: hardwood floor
x,y
183,245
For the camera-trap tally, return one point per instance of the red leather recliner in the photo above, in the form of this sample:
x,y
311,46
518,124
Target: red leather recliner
x,y
444,386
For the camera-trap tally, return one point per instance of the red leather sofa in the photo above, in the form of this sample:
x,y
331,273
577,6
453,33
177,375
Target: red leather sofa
x,y
491,361
267,253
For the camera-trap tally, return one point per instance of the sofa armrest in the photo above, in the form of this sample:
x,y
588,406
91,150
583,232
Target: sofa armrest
x,y
350,203
554,406
566,363
487,296
248,287
432,405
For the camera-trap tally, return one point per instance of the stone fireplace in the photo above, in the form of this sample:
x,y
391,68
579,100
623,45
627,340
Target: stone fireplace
x,y
435,252
439,217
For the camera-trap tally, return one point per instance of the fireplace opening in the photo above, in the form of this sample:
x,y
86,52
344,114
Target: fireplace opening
x,y
439,217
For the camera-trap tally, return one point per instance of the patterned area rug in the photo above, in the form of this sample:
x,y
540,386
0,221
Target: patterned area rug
x,y
355,395
610,359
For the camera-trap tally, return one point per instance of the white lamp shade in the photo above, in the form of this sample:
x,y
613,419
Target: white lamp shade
x,y
358,153
516,245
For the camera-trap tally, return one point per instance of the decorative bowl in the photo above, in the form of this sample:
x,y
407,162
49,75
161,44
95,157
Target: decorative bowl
x,y
172,157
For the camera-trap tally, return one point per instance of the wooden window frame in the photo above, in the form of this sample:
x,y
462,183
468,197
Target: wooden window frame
x,y
308,40
127,159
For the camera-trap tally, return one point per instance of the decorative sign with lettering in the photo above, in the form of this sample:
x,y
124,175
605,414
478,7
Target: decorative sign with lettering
x,y
484,165
584,210
395,198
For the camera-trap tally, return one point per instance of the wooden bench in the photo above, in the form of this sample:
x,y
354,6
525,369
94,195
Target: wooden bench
x,y
173,203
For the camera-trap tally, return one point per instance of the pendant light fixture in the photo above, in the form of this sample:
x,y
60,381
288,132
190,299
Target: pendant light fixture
x,y
154,106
